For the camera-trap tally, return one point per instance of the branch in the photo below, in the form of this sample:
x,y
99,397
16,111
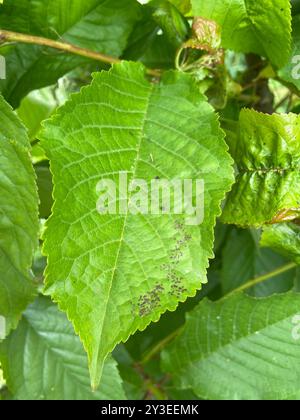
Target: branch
x,y
7,36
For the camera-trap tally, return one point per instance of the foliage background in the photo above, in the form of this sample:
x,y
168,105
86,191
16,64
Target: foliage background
x,y
237,337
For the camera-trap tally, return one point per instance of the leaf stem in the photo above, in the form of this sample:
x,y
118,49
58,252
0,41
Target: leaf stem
x,y
262,279
155,350
8,36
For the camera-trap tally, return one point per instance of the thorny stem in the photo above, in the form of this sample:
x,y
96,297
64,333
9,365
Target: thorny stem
x,y
254,282
8,36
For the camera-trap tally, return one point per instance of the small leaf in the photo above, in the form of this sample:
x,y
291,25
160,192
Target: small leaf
x,y
291,72
284,238
44,360
114,274
36,107
244,260
239,348
170,20
267,155
19,217
184,6
261,27
148,45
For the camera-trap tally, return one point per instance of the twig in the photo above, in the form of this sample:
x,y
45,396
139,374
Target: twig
x,y
8,36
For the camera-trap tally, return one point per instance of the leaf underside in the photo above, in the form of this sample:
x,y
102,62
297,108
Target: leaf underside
x,y
115,274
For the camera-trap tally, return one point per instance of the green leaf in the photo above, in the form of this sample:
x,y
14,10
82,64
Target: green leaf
x,y
239,348
267,155
44,360
45,187
284,238
170,20
36,107
244,260
18,217
148,45
291,72
184,6
115,274
99,25
260,27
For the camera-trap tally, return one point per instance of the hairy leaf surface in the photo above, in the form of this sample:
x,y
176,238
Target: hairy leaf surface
x,y
44,360
267,155
18,217
239,348
114,274
262,27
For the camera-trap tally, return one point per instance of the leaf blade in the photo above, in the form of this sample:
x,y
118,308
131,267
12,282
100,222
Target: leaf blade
x,y
44,360
266,153
19,217
139,137
239,348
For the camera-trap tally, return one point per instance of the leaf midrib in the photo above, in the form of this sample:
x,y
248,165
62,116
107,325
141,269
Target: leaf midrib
x,y
134,171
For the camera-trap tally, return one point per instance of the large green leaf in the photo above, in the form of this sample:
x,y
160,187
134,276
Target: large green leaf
x,y
99,25
291,72
284,238
267,155
244,260
262,27
44,360
116,274
18,217
239,348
